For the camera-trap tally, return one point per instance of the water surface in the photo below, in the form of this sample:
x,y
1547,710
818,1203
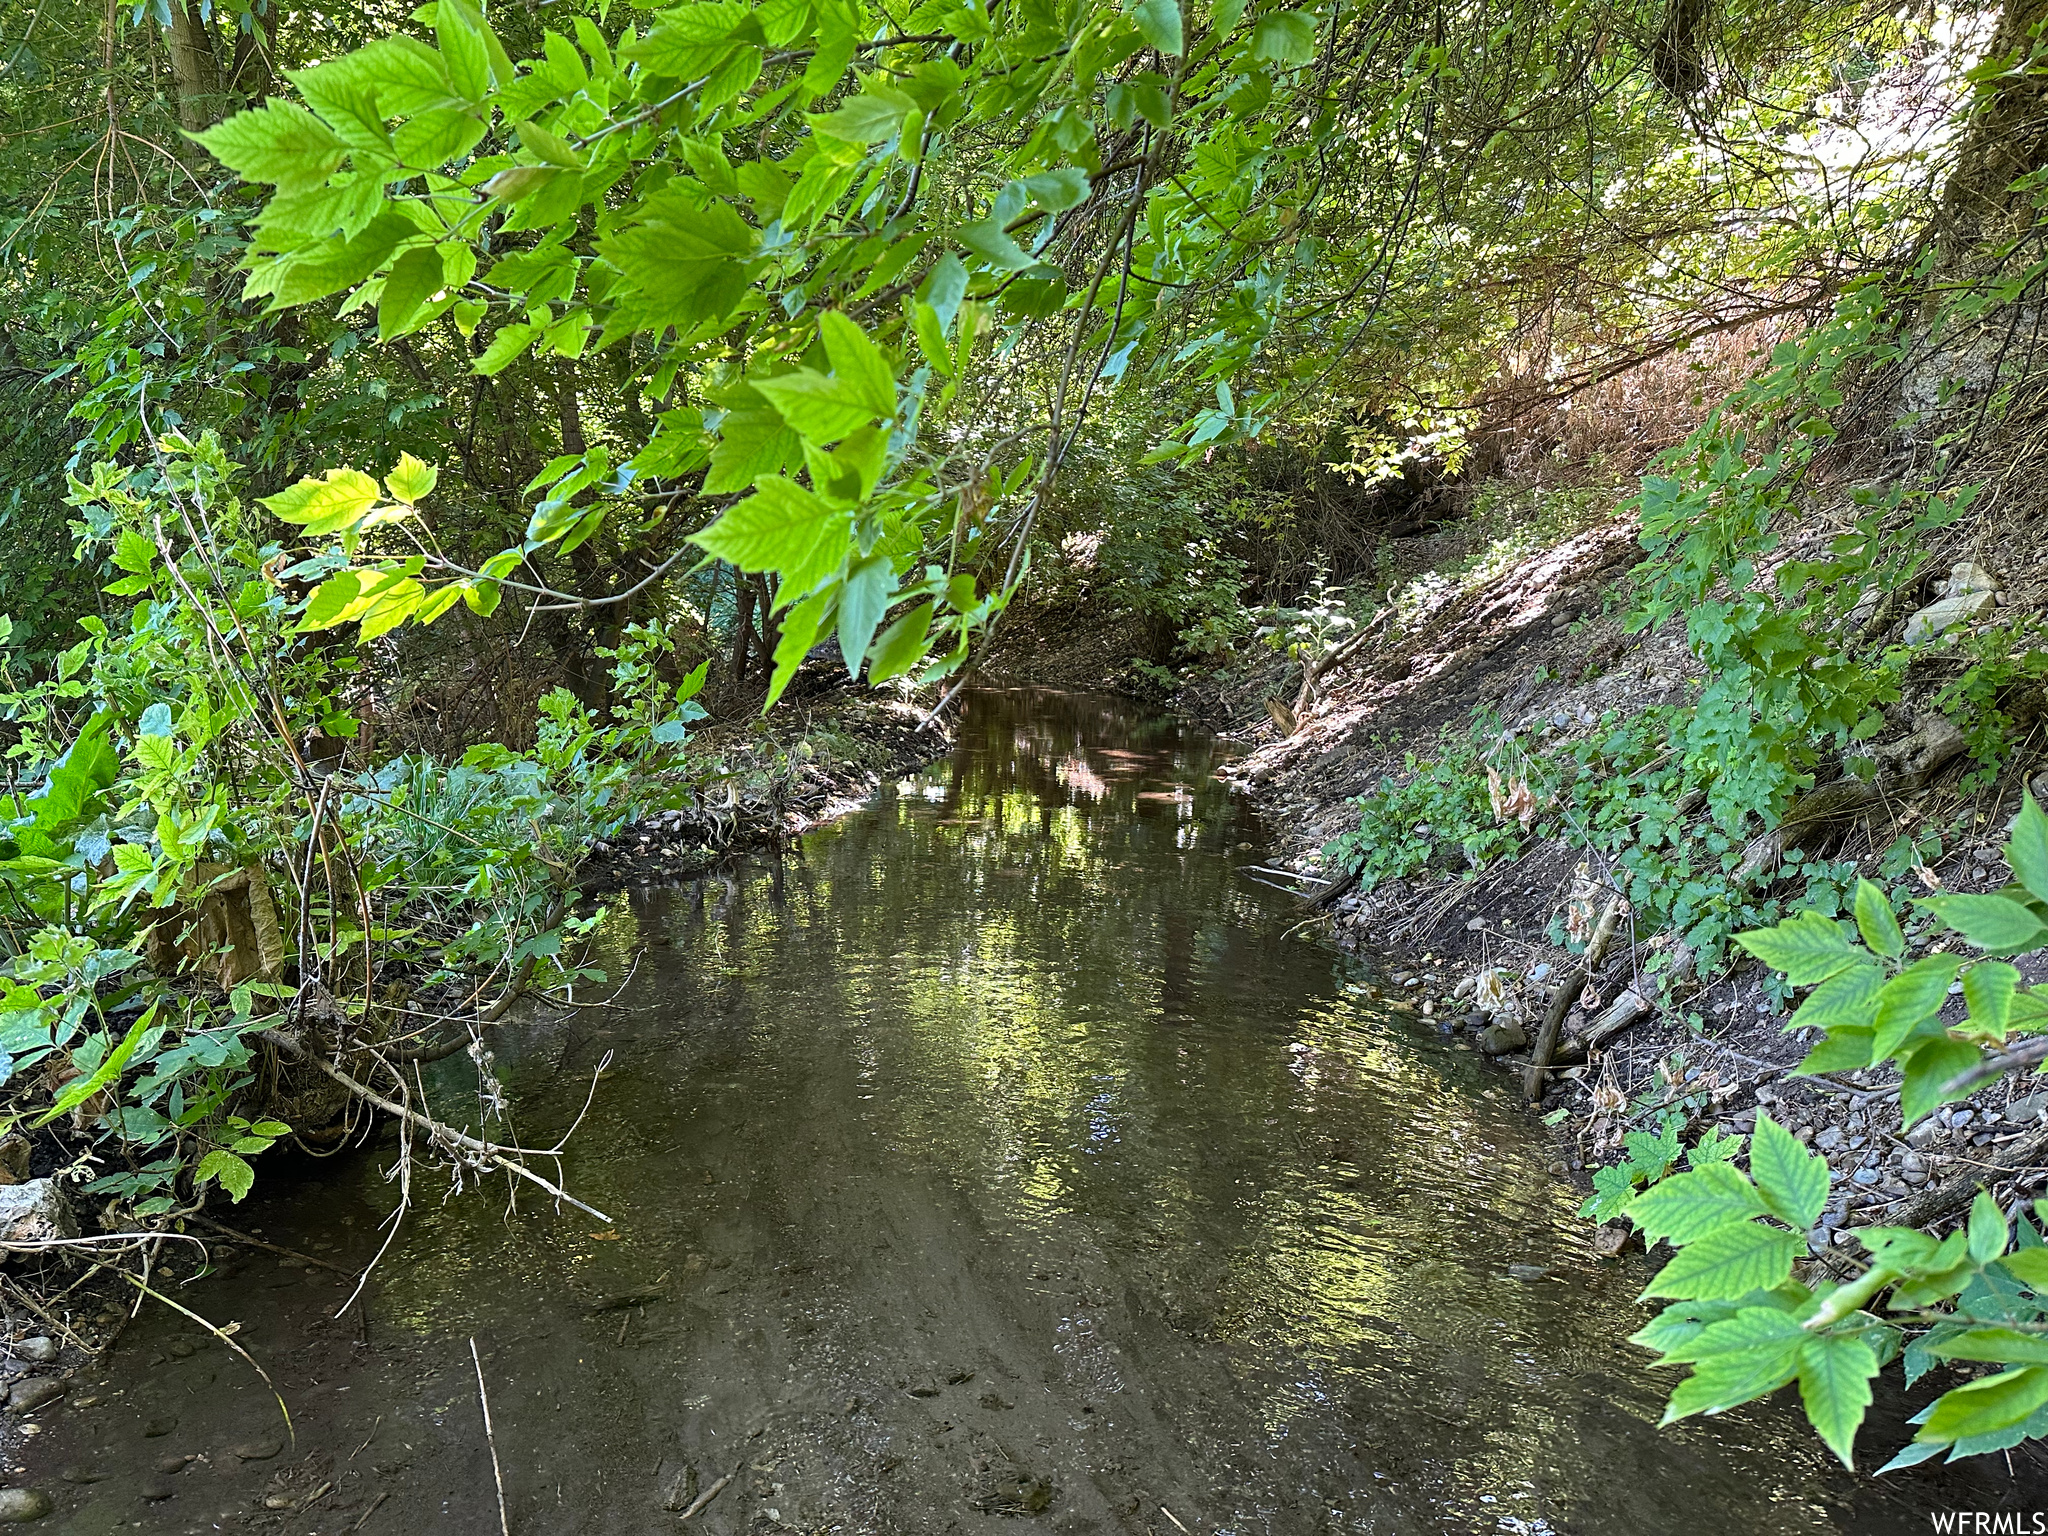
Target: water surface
x,y
997,1159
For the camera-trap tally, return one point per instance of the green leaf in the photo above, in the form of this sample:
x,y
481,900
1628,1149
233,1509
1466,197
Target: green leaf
x,y
506,347
1995,923
1807,947
1987,1228
902,644
1876,921
782,528
331,601
134,552
1286,37
411,481
858,363
2003,1346
413,279
1847,998
1793,1181
1158,22
1989,988
2028,850
1932,1064
233,1173
338,500
1910,1003
1846,1048
1980,1407
1834,1384
687,265
79,1089
751,443
862,602
2030,1267
820,407
1729,1261
800,628
277,142
869,118
1751,1354
1686,1208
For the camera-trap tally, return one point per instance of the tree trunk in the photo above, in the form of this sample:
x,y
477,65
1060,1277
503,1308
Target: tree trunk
x,y
2007,138
742,627
195,70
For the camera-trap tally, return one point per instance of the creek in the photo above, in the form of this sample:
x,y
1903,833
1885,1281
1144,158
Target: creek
x,y
996,1159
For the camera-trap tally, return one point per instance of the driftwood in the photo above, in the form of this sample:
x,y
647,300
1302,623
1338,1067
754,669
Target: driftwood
x,y
1903,768
1624,1011
1952,1196
1326,893
1568,990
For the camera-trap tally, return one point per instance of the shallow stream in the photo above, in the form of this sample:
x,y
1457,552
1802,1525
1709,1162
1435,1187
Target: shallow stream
x,y
995,1160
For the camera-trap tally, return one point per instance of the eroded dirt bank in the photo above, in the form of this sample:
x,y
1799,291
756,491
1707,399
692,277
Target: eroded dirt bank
x,y
1543,648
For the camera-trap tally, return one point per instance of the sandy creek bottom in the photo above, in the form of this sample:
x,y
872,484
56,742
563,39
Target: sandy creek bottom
x,y
994,1161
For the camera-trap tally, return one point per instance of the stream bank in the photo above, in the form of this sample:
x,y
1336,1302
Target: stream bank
x,y
1541,650
996,1159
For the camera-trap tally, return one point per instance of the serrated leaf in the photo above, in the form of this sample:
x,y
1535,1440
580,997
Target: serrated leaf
x,y
2027,853
1751,1354
1846,1048
340,499
1981,1407
1910,1003
782,528
1286,37
331,600
1792,1180
858,362
1989,988
1932,1064
1807,947
231,1172
1987,1228
1876,921
1847,998
1158,22
413,279
1686,1208
1995,923
278,143
1729,1261
506,347
862,601
411,481
2004,1346
902,644
1834,1385
819,406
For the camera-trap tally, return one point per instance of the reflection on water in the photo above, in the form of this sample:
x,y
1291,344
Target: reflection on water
x,y
1000,1156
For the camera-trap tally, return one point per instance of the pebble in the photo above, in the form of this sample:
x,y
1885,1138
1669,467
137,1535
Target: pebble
x,y
2022,1111
19,1505
1865,1176
27,1396
155,1490
256,1450
83,1473
170,1466
1541,972
37,1350
157,1428
1922,1135
180,1349
1499,1039
1829,1139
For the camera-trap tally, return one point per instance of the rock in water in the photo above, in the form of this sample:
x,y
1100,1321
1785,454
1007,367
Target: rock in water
x,y
37,1350
1499,1039
22,1504
35,1212
27,1396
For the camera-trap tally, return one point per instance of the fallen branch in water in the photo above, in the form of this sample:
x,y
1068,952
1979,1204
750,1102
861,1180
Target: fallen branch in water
x,y
507,1158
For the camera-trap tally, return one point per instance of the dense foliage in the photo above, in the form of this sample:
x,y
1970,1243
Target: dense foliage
x,y
384,363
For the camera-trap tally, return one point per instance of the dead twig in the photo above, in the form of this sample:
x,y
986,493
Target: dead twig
x,y
497,1472
697,1505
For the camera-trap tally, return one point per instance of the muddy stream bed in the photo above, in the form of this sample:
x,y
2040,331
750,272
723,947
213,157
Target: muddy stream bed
x,y
993,1161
